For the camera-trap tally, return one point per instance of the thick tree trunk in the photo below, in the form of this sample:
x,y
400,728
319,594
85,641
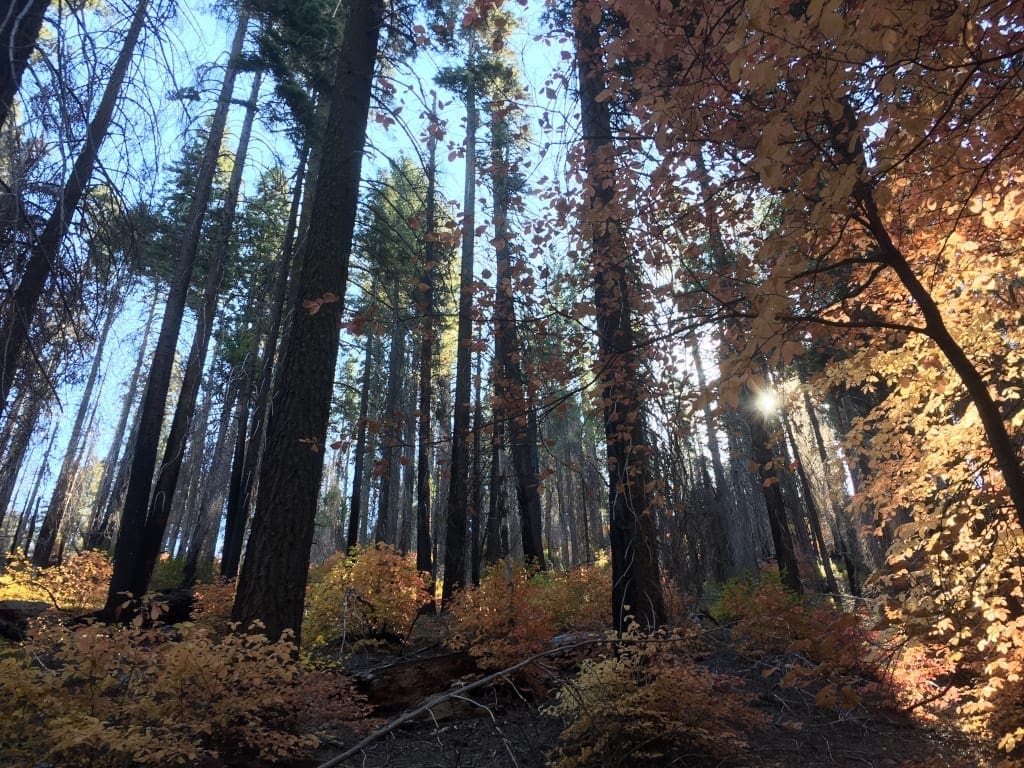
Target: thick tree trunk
x,y
636,583
458,487
272,584
20,316
19,29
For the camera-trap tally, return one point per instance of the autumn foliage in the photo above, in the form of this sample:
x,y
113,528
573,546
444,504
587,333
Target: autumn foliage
x,y
97,695
515,612
645,703
370,596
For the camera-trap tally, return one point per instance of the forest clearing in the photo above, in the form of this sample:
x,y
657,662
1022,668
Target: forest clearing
x,y
467,382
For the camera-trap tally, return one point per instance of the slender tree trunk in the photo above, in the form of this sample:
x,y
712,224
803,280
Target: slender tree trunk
x,y
237,514
355,510
425,302
170,468
59,498
813,516
21,438
240,504
387,510
45,252
19,29
636,583
458,487
100,519
769,480
131,552
203,541
272,584
511,404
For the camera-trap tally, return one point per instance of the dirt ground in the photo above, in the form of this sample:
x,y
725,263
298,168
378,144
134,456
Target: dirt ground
x,y
503,726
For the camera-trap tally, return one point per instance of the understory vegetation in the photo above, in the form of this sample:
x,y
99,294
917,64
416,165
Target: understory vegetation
x,y
81,693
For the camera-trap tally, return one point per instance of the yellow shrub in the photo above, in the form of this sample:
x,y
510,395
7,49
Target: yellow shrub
x,y
103,696
372,595
80,583
648,705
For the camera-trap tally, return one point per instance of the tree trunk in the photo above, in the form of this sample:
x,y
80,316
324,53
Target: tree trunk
x,y
45,253
100,519
392,418
19,30
170,468
511,404
58,500
425,302
272,584
203,541
636,583
240,504
355,510
458,487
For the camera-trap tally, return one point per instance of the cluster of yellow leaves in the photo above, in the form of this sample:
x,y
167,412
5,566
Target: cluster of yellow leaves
x,y
372,595
515,612
103,696
820,644
79,583
647,703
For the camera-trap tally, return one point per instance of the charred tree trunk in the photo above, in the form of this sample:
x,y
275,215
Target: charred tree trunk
x,y
272,583
131,552
19,30
636,582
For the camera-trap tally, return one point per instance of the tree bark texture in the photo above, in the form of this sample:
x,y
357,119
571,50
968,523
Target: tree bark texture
x,y
636,582
272,583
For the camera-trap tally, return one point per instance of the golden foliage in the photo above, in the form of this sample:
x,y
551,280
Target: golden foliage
x,y
647,703
103,696
372,595
514,612
79,583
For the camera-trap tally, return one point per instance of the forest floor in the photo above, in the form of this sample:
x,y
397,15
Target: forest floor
x,y
505,726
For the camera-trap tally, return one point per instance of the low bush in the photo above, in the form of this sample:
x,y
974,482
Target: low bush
x,y
644,703
370,596
104,696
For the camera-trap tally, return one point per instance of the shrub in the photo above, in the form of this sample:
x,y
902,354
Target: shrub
x,y
370,596
647,704
824,644
515,612
103,696
80,583
503,619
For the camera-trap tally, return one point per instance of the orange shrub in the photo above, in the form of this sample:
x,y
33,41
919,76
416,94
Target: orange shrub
x,y
514,612
501,620
101,695
647,704
370,596
834,645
